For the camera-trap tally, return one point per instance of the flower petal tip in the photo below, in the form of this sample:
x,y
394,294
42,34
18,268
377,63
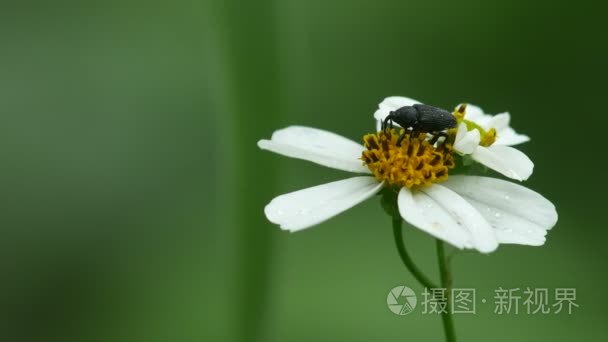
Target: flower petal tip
x,y
263,144
505,160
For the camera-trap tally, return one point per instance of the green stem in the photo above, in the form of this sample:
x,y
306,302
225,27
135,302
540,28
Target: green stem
x,y
407,261
446,282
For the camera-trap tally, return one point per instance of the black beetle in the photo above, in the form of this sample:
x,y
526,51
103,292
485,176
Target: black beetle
x,y
420,118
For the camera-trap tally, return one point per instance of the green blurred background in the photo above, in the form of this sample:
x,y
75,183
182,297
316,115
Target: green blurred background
x,y
133,190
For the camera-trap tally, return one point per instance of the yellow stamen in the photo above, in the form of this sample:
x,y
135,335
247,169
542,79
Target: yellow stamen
x,y
459,113
488,138
415,163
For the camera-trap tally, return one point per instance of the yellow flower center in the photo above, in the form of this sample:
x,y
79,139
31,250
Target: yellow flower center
x,y
415,163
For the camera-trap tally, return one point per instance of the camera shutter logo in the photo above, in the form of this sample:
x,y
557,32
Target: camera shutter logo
x,y
401,300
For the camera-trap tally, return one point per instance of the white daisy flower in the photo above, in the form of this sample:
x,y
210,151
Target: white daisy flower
x,y
465,211
485,137
505,135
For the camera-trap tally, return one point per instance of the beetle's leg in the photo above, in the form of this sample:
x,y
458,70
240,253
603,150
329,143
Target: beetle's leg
x,y
413,134
401,137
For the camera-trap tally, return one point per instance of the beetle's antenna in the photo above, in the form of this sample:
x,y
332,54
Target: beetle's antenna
x,y
385,121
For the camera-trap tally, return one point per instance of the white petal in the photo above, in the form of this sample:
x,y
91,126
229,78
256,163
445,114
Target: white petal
x,y
442,213
422,212
318,146
379,124
505,160
518,214
505,134
389,104
475,113
466,141
308,207
462,131
396,102
509,137
498,122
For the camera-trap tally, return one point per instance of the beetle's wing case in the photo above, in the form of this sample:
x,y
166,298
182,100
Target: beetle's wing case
x,y
433,119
